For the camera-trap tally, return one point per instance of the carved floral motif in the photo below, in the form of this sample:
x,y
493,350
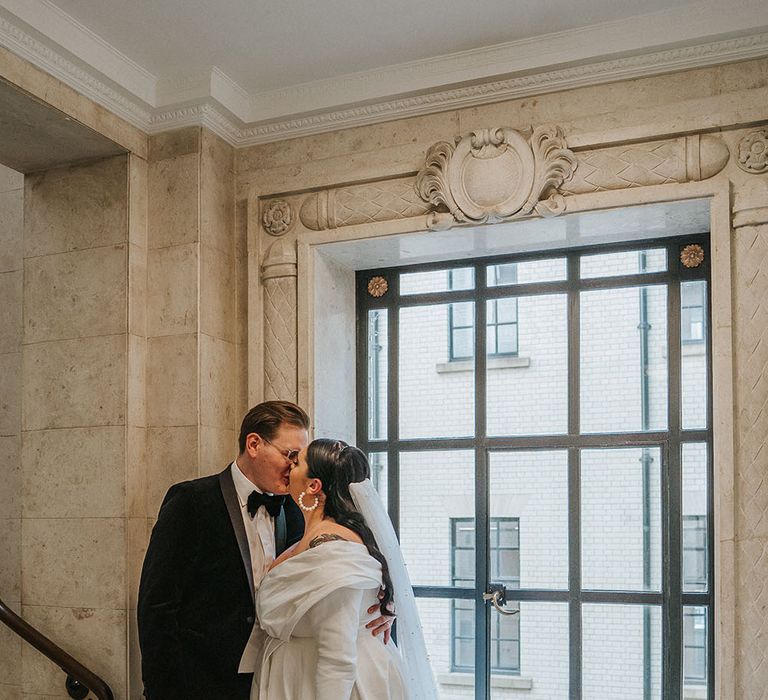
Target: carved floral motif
x,y
753,152
498,174
692,255
377,286
278,217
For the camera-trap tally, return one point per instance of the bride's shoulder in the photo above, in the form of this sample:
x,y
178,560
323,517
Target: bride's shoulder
x,y
333,532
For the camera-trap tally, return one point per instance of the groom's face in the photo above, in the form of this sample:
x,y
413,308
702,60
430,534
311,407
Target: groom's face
x,y
273,457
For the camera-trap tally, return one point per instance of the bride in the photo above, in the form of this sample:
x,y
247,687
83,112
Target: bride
x,y
313,603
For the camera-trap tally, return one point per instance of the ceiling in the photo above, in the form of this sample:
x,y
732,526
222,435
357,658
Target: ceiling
x,y
255,71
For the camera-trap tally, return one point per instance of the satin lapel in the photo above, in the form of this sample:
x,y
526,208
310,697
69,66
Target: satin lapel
x,y
236,516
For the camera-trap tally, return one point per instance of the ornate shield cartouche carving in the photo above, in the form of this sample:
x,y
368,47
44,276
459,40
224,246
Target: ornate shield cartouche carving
x,y
498,174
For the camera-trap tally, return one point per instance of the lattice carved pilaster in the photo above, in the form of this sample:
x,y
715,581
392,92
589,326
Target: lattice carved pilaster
x,y
280,346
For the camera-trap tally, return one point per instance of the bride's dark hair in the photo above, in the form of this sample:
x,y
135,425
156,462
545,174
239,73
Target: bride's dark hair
x,y
338,465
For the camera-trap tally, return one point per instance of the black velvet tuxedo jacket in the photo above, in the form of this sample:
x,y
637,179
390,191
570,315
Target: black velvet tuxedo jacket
x,y
196,601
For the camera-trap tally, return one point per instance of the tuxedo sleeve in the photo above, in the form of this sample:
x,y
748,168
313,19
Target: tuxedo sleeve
x,y
171,548
336,621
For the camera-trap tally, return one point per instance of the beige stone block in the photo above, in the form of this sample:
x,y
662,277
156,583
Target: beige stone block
x,y
172,290
137,290
171,144
74,562
241,227
217,383
242,398
10,660
11,230
96,638
135,684
74,472
241,300
12,692
217,294
172,456
10,180
78,207
10,393
75,295
218,448
136,472
74,383
137,381
10,477
10,556
10,311
138,201
172,370
138,531
174,202
217,193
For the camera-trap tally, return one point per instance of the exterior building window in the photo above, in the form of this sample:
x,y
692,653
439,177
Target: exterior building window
x,y
501,321
695,636
505,569
695,552
692,312
695,618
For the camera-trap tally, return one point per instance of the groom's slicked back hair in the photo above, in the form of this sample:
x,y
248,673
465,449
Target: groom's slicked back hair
x,y
265,418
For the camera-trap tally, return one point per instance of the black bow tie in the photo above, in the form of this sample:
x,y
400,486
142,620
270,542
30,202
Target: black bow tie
x,y
273,504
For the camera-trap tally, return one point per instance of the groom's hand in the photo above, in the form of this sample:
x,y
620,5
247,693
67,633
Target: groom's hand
x,y
383,623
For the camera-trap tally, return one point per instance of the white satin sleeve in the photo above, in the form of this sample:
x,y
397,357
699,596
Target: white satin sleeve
x,y
336,622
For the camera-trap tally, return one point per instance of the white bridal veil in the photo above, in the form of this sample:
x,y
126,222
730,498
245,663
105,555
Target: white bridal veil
x,y
420,679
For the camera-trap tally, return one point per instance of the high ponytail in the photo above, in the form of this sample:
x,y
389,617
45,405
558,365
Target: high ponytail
x,y
338,465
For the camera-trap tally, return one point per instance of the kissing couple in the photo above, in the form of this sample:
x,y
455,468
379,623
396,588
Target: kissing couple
x,y
279,579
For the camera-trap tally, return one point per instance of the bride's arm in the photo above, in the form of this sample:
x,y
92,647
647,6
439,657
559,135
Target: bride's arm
x,y
335,621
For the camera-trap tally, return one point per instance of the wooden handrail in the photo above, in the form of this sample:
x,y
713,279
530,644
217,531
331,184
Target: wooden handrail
x,y
79,679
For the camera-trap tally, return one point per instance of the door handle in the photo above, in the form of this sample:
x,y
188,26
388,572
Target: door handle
x,y
498,599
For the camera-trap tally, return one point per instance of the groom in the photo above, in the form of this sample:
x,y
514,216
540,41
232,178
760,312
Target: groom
x,y
214,540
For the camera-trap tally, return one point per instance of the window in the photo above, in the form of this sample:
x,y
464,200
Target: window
x,y
501,321
695,641
695,552
692,311
505,569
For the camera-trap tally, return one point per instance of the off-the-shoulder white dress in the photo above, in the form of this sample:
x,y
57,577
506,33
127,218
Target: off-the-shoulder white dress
x,y
313,608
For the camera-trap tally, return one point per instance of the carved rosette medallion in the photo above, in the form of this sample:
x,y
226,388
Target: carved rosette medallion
x,y
377,286
692,255
753,152
278,217
498,174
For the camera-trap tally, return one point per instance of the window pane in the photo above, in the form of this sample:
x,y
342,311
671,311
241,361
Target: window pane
x,y
432,403
449,631
693,334
506,310
531,398
463,343
437,281
527,272
378,462
426,514
542,648
624,359
621,519
532,488
378,354
695,646
507,340
614,640
625,263
695,533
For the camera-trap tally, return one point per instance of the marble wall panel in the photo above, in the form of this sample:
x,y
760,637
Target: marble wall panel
x,y
10,179
172,456
10,396
136,468
138,201
218,448
74,472
74,383
137,290
77,207
10,556
10,661
10,477
174,201
11,223
96,637
74,562
217,383
172,384
217,193
217,294
75,295
179,142
10,311
172,290
137,381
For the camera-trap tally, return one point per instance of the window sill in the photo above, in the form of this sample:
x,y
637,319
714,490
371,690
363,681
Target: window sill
x,y
493,363
694,692
468,679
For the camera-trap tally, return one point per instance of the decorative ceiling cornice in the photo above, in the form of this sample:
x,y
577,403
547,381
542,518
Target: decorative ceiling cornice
x,y
215,101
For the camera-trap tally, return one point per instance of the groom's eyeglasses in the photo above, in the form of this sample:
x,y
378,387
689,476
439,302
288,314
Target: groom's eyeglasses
x,y
291,455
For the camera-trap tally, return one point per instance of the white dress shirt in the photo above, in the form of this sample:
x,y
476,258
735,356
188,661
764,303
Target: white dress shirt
x,y
260,529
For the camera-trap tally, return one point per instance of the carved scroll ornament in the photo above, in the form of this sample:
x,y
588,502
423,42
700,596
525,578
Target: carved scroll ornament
x,y
498,174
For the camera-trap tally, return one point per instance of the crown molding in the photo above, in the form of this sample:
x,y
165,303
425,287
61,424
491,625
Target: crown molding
x,y
212,99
